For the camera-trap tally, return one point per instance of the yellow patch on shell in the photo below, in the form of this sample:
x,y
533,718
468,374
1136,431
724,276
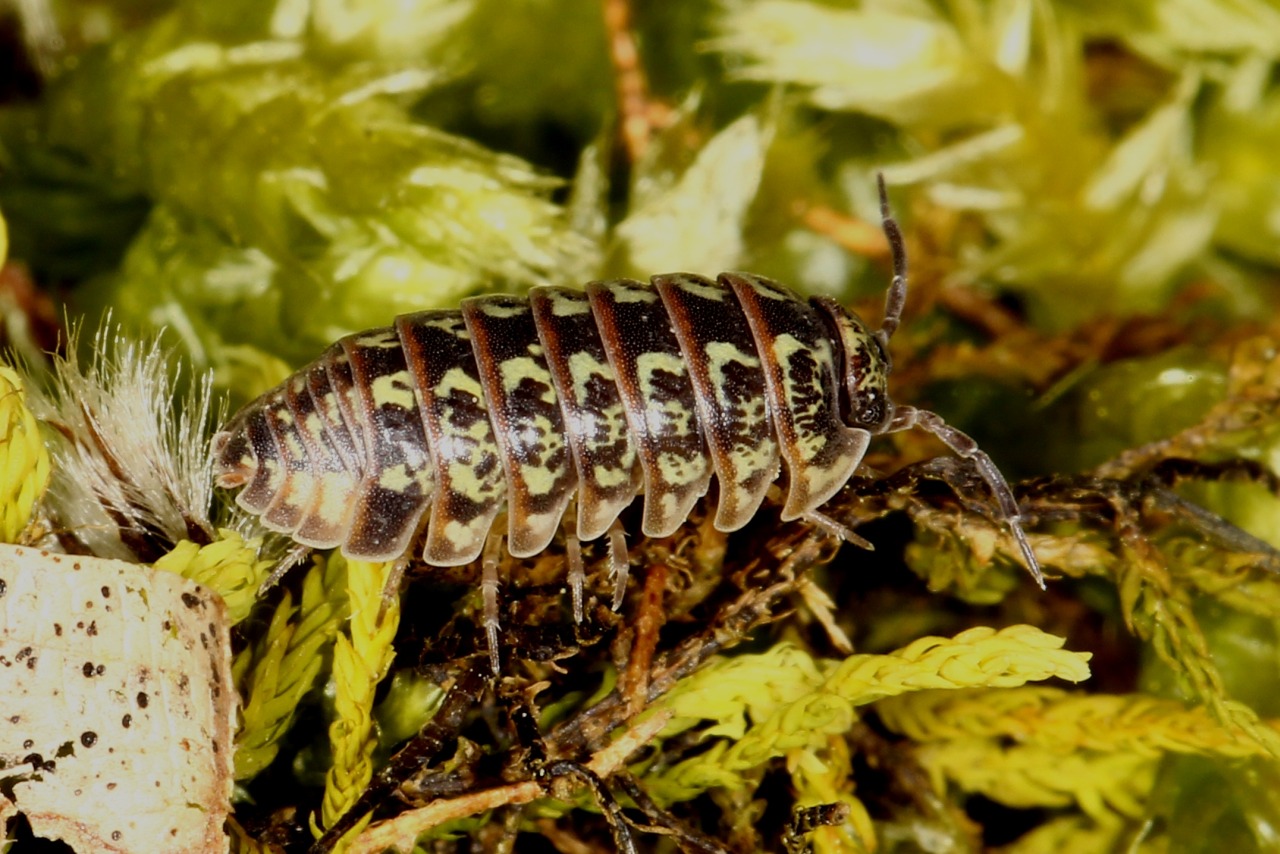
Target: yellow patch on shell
x,y
394,389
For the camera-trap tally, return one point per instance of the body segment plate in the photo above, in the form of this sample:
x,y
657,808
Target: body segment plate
x,y
730,391
297,487
267,474
398,482
661,407
471,486
793,341
326,521
327,406
526,419
609,474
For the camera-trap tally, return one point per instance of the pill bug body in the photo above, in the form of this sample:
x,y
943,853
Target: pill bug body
x,y
621,390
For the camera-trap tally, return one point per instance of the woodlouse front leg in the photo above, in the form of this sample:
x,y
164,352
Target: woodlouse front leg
x,y
906,417
839,530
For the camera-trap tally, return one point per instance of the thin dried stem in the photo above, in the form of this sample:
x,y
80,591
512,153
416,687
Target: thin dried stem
x,y
399,833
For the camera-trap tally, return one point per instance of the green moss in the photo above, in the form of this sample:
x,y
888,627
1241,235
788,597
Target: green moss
x,y
1089,196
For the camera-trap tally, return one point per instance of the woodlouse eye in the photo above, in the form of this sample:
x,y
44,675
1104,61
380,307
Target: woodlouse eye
x,y
871,410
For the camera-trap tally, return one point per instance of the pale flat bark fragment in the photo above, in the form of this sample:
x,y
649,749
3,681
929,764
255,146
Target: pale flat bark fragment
x,y
118,705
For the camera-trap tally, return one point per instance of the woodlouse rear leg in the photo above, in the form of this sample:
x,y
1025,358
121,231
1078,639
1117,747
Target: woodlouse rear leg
x,y
296,554
577,575
907,417
619,561
489,591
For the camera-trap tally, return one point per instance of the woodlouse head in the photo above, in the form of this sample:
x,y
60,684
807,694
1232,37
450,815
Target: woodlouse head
x,y
865,366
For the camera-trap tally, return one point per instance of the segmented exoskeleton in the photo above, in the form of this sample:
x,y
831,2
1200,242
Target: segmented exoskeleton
x,y
621,390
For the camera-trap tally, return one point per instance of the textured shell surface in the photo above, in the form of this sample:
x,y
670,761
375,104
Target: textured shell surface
x,y
434,425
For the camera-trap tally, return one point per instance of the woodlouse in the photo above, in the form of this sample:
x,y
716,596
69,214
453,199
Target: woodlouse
x,y
623,389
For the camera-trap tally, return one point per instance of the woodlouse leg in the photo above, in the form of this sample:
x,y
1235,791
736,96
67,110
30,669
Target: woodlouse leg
x,y
489,591
391,589
896,297
839,530
906,417
577,576
296,554
620,562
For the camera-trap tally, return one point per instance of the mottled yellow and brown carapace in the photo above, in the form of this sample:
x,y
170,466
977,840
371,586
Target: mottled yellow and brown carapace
x,y
625,389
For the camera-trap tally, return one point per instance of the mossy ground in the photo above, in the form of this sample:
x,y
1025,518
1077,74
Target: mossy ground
x,y
1092,208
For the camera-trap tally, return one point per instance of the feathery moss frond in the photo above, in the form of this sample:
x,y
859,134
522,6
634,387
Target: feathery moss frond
x,y
275,673
1046,747
360,661
761,706
230,566
1102,785
1135,723
694,221
293,194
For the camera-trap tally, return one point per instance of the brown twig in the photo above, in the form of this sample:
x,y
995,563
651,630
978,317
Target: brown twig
x,y
401,832
649,620
636,111
430,740
859,236
978,309
733,623
564,841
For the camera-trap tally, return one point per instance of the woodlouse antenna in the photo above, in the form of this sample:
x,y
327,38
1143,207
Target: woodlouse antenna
x,y
896,298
